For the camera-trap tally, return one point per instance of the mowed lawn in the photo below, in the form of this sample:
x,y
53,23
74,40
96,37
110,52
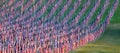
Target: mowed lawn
x,y
109,42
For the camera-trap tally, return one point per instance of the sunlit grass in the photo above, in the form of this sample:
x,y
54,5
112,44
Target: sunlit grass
x,y
109,42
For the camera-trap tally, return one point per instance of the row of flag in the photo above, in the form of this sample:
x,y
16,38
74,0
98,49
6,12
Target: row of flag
x,y
49,38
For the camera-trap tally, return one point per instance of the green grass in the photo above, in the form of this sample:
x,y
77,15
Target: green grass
x,y
116,16
109,42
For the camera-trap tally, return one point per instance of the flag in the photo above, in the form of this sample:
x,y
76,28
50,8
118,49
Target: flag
x,y
40,49
1,51
35,49
46,50
74,45
8,48
63,49
92,37
50,49
81,42
56,50
86,39
66,48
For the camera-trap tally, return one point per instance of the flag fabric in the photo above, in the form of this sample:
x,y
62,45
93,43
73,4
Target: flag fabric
x,y
34,27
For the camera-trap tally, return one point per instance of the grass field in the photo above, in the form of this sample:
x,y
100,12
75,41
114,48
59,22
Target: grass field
x,y
109,42
116,17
